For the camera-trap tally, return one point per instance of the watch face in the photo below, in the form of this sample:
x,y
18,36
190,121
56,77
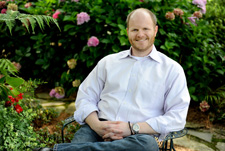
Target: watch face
x,y
136,127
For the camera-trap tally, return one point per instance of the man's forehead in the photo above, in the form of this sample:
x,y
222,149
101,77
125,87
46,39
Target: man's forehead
x,y
140,12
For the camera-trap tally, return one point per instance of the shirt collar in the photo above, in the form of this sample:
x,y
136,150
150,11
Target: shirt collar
x,y
153,55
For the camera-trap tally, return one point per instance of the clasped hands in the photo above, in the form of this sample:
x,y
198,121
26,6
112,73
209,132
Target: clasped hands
x,y
112,130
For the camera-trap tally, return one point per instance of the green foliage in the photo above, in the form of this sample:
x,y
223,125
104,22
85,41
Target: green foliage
x,y
11,16
7,70
16,133
216,99
199,49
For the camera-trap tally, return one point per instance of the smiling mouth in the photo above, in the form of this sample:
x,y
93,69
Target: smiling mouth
x,y
141,40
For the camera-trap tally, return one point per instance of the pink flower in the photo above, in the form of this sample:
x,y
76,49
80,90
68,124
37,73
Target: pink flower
x,y
204,106
56,14
82,17
178,12
58,96
193,20
2,4
1,76
170,16
201,4
198,2
197,14
203,9
141,0
93,41
3,11
57,92
17,65
52,93
28,5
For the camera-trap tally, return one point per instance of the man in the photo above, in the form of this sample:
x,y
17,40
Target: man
x,y
131,96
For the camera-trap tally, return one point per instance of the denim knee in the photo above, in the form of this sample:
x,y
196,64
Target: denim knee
x,y
148,142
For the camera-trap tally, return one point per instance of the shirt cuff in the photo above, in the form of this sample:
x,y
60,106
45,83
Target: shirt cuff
x,y
81,114
162,130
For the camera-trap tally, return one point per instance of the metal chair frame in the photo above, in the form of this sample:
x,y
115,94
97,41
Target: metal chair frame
x,y
166,145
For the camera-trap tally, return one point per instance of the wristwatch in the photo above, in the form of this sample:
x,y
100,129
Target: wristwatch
x,y
136,128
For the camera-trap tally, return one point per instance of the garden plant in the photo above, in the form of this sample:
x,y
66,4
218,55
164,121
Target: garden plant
x,y
190,32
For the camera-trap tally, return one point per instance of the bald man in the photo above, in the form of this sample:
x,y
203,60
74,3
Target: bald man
x,y
130,97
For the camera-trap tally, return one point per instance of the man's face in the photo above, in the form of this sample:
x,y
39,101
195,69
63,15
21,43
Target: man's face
x,y
141,33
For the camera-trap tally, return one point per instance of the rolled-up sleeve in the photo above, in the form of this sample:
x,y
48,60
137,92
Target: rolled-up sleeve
x,y
177,100
88,94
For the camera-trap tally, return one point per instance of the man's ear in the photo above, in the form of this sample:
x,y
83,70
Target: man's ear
x,y
156,30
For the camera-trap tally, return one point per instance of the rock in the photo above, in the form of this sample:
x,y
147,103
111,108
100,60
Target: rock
x,y
71,108
220,146
202,135
188,143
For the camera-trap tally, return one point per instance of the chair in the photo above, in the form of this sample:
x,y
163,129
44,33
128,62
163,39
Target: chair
x,y
165,145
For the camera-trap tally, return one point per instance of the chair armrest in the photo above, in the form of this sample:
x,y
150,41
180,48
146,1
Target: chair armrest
x,y
176,134
66,122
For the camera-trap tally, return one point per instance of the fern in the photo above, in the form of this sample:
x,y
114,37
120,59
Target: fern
x,y
7,67
217,96
11,16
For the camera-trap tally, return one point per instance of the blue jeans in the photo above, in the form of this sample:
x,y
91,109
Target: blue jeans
x,y
85,139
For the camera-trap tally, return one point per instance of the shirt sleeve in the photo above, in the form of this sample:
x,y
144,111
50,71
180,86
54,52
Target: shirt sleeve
x,y
88,94
177,100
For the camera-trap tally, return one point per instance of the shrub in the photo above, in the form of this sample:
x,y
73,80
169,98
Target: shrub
x,y
16,133
188,36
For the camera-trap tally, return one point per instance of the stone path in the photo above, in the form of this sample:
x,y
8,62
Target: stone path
x,y
197,138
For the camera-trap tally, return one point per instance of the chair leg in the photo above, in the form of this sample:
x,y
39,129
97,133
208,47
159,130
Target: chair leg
x,y
172,145
164,145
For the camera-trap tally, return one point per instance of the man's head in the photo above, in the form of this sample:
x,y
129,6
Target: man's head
x,y
154,19
141,30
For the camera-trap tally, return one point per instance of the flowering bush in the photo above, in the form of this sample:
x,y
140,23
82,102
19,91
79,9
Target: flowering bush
x,y
56,14
82,17
15,126
14,101
76,83
93,41
72,63
189,34
57,92
170,16
204,106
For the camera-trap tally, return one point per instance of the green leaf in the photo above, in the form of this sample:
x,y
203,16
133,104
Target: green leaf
x,y
123,40
105,41
13,81
69,26
69,18
220,72
40,62
121,26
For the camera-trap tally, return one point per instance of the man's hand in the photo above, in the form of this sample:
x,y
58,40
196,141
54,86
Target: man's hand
x,y
116,130
108,130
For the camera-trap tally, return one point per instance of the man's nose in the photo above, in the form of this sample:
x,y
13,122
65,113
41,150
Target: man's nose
x,y
140,33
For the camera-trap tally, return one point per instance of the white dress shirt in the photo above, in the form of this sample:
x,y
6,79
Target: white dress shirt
x,y
150,89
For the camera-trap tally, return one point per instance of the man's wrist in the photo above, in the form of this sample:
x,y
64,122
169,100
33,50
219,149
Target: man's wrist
x,y
136,128
130,127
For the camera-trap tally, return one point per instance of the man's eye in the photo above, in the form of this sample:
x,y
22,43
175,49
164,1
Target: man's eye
x,y
134,30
